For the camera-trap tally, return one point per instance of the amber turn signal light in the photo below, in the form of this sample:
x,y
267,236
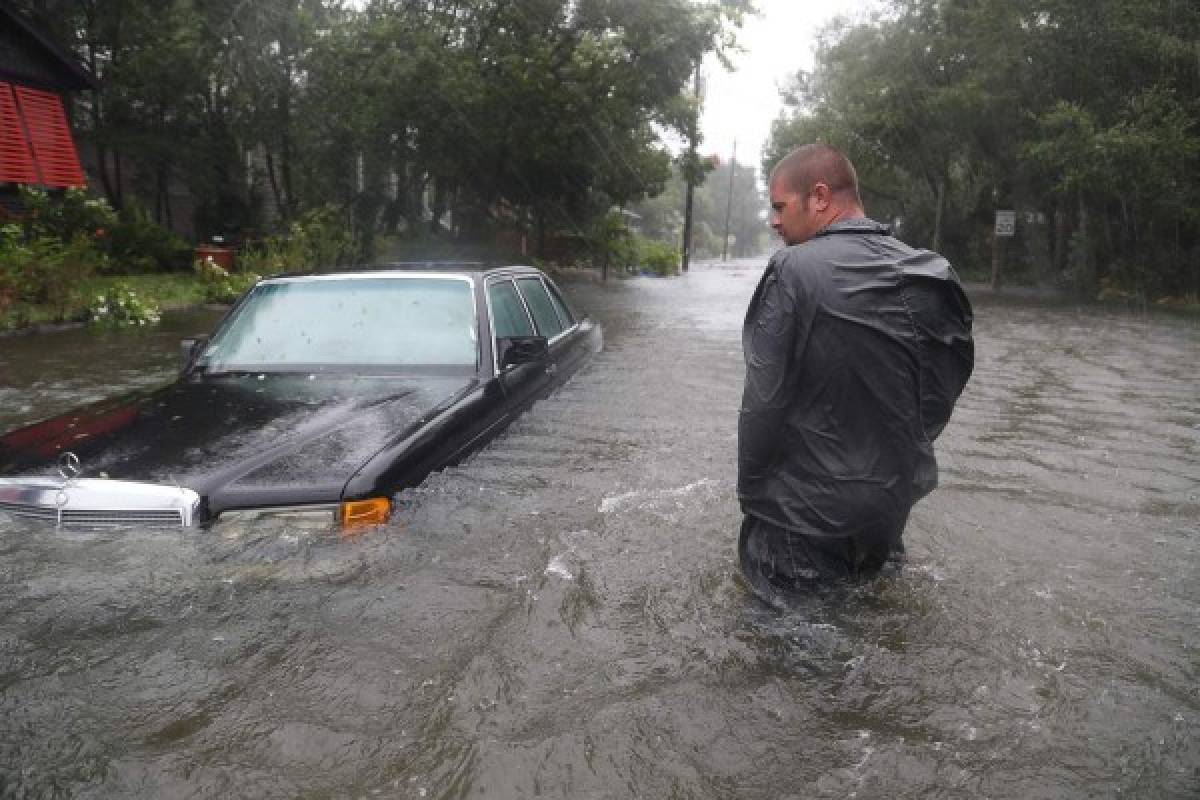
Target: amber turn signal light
x,y
360,513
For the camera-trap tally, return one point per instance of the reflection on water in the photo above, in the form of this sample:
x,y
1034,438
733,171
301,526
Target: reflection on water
x,y
44,375
561,616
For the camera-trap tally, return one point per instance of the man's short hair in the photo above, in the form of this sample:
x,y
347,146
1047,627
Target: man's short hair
x,y
811,164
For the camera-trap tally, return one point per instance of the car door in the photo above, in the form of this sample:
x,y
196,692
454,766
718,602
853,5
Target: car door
x,y
554,321
580,338
510,316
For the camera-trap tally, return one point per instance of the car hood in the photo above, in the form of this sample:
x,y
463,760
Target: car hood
x,y
245,434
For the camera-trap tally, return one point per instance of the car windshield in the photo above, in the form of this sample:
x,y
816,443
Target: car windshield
x,y
325,323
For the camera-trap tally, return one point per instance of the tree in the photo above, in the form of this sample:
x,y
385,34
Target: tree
x,y
662,218
452,115
1084,113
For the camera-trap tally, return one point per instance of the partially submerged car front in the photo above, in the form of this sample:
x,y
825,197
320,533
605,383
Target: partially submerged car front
x,y
317,397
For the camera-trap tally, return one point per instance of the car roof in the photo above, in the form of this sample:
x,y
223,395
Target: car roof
x,y
466,268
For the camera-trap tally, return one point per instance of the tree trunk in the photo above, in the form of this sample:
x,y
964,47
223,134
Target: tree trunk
x,y
997,258
119,173
111,192
1083,258
276,192
540,222
285,168
686,255
1059,254
165,188
937,215
439,206
106,182
158,209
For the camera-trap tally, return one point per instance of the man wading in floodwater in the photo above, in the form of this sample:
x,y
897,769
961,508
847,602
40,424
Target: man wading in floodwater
x,y
856,347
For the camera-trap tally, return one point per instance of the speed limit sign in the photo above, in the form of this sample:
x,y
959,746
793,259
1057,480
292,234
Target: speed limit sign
x,y
1006,223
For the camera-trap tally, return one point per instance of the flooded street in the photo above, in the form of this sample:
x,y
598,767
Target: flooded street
x,y
562,616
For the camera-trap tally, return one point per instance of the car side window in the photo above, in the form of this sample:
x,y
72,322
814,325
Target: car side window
x,y
560,303
540,304
509,317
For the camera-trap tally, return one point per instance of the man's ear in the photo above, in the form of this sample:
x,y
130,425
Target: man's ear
x,y
822,195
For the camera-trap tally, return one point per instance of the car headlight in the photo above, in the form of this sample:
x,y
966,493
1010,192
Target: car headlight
x,y
346,515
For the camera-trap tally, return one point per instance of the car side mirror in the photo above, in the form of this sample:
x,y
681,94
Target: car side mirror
x,y
189,348
521,349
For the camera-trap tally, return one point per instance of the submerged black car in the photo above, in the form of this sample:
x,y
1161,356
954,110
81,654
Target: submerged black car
x,y
317,395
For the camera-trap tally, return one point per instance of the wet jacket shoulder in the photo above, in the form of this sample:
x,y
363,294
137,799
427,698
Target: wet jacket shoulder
x,y
857,347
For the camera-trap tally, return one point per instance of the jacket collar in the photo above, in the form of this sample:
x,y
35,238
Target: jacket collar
x,y
858,225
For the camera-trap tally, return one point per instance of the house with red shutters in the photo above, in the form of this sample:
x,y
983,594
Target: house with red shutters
x,y
36,146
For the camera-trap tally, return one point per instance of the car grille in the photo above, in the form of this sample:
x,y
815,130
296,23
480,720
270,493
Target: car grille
x,y
107,518
93,503
36,512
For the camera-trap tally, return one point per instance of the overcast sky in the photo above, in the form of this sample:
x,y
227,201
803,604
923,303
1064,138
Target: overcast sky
x,y
741,105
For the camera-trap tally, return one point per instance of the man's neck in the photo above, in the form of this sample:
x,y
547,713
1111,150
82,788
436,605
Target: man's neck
x,y
840,213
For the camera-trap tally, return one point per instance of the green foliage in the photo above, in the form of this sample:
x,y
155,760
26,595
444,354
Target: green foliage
x,y
610,242
412,117
1085,111
64,216
48,255
613,246
660,258
136,245
320,240
662,216
49,258
10,263
221,286
45,270
119,306
164,289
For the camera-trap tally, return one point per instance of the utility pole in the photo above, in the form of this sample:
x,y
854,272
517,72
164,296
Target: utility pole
x,y
729,203
687,210
690,168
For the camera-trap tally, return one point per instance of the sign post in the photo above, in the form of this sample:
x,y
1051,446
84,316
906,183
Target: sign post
x,y
1006,227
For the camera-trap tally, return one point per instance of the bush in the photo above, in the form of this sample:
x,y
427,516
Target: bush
x,y
52,250
657,257
220,286
65,216
45,270
320,240
609,242
136,244
10,265
1079,277
120,306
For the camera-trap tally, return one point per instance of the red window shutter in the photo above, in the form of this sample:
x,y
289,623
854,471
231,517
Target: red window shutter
x,y
16,160
53,148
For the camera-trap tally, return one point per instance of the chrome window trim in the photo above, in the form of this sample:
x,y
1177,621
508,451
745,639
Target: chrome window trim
x,y
565,330
359,276
555,292
494,279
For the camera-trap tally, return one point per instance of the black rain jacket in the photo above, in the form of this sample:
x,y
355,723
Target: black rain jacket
x,y
857,347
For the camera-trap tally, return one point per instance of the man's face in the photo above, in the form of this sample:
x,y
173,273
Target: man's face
x,y
793,215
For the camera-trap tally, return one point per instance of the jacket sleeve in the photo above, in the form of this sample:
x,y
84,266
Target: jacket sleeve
x,y
943,318
769,340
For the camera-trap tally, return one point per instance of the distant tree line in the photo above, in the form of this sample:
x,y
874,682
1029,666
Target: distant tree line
x,y
1081,115
532,116
729,199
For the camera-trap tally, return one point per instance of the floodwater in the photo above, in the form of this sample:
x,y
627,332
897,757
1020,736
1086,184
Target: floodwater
x,y
561,616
